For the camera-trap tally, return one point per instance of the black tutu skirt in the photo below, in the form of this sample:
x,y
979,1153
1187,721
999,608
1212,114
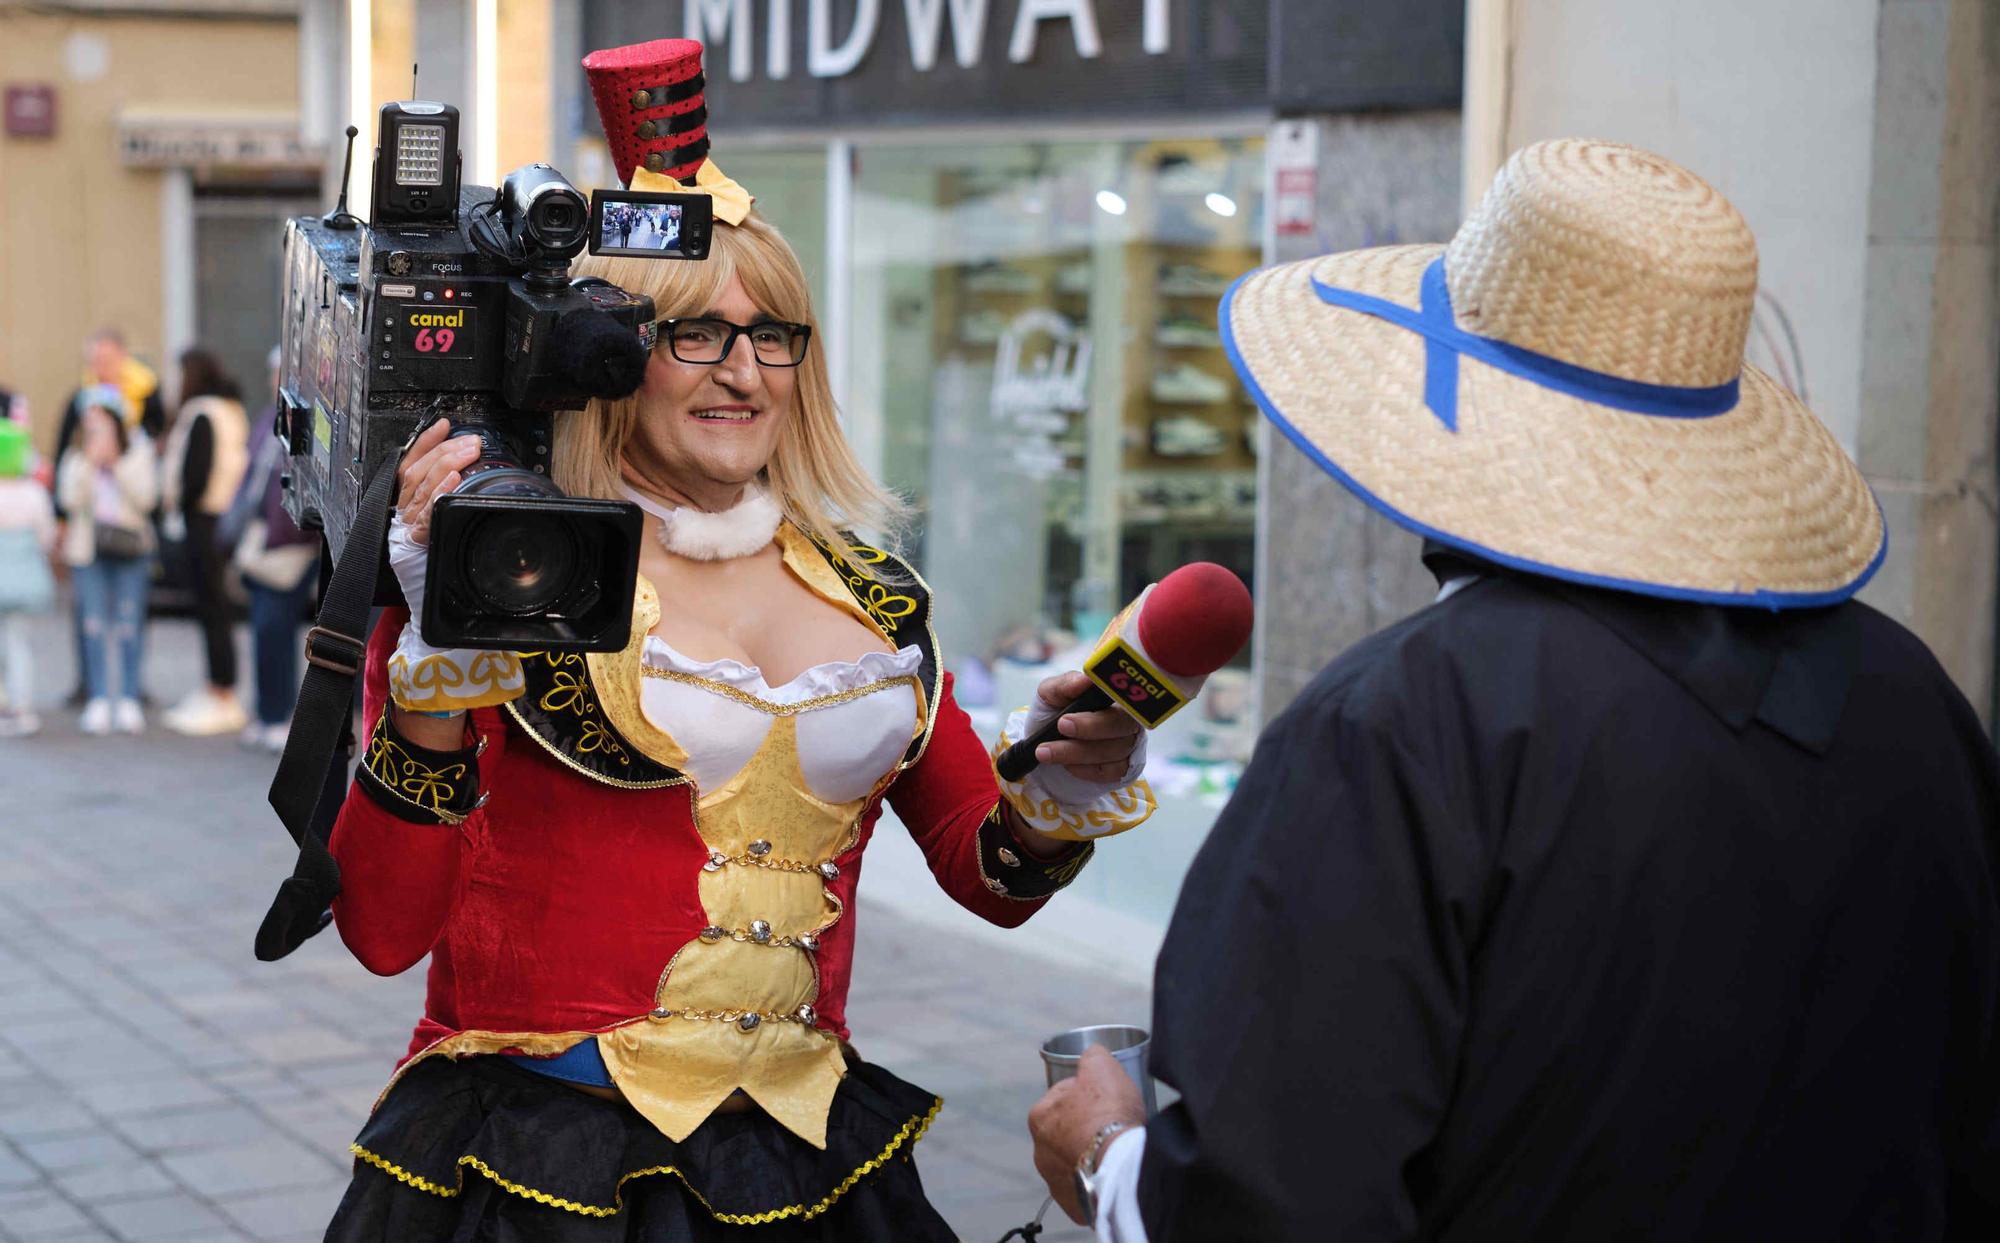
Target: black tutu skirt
x,y
482,1151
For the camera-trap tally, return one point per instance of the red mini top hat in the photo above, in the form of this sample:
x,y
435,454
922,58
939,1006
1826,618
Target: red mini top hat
x,y
649,98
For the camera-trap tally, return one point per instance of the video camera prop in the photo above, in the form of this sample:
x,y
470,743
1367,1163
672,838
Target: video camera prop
x,y
455,301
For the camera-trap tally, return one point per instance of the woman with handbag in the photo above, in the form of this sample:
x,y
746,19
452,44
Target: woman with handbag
x,y
276,560
108,484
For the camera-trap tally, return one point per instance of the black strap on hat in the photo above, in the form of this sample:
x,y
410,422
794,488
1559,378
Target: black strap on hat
x,y
310,787
661,96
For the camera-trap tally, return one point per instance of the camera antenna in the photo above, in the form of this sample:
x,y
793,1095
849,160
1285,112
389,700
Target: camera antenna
x,y
413,79
340,217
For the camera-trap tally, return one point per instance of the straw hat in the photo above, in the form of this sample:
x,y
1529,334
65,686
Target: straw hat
x,y
1562,389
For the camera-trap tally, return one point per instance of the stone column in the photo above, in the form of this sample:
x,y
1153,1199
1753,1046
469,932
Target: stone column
x,y
1330,570
1930,366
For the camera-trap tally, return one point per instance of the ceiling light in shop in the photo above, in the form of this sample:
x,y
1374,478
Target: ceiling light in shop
x,y
1221,204
1111,201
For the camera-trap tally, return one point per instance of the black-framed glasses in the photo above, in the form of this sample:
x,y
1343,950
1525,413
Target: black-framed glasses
x,y
706,340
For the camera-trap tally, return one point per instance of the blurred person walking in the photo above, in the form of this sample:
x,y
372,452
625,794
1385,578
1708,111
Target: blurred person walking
x,y
27,588
107,361
108,485
206,453
276,560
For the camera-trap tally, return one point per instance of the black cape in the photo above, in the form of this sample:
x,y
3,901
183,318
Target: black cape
x,y
1554,913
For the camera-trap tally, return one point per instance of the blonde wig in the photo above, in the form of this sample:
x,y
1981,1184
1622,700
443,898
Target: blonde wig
x,y
813,474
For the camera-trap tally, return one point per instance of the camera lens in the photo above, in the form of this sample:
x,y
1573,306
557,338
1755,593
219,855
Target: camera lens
x,y
556,220
520,564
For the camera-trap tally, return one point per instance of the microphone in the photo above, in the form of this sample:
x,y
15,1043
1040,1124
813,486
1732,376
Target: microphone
x,y
1156,654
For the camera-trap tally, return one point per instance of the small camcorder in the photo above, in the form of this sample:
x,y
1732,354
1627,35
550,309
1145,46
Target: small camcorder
x,y
456,301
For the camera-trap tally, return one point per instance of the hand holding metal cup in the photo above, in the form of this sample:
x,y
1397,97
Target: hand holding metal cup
x,y
1130,1045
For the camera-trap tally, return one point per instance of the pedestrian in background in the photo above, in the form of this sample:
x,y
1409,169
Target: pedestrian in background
x,y
106,361
27,537
276,560
108,484
206,453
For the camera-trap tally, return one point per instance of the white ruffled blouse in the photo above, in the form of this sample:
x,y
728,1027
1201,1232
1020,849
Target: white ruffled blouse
x,y
855,718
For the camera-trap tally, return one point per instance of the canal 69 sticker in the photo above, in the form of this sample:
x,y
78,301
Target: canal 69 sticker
x,y
1127,678
434,332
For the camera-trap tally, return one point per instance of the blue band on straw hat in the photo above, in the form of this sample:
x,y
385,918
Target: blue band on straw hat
x,y
1448,342
1756,598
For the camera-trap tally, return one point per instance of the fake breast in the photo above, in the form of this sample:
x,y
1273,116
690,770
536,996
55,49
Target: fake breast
x,y
782,776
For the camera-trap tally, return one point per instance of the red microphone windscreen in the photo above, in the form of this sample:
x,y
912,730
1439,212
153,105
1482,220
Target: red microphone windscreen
x,y
1195,619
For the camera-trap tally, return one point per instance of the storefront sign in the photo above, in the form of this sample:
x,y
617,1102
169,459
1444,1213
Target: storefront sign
x,y
798,63
155,144
31,110
730,24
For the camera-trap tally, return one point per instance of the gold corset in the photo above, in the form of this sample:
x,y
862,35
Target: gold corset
x,y
734,1006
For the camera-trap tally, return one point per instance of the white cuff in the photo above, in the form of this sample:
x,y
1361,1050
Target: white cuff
x,y
1118,1189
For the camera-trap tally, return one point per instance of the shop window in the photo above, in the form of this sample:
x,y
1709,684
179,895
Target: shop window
x,y
1035,363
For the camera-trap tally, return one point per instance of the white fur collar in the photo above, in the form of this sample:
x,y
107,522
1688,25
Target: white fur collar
x,y
744,528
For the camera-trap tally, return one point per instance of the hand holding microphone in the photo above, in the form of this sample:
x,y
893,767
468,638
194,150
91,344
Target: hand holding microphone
x,y
1152,663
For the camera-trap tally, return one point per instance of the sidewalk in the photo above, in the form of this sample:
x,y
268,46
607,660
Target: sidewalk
x,y
158,1083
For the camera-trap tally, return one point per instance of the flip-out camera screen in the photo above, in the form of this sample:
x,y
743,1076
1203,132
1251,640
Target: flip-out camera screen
x,y
649,224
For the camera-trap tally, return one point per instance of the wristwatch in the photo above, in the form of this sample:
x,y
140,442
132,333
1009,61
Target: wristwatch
x,y
1085,1174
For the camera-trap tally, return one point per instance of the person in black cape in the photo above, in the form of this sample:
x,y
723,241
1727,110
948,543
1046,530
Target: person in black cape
x,y
1644,886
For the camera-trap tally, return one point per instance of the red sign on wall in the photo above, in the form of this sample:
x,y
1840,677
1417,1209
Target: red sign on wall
x,y
31,110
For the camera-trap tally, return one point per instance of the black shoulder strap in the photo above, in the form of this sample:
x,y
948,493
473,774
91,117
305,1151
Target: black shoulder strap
x,y
310,785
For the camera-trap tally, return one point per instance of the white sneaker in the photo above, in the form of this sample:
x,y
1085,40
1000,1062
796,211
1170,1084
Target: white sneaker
x,y
205,713
1189,385
18,723
96,718
128,717
275,737
251,736
1184,435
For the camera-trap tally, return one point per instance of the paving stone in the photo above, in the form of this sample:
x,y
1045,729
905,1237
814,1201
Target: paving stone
x,y
114,1097
275,1164
297,1210
75,1152
157,1218
102,1183
206,1126
40,1212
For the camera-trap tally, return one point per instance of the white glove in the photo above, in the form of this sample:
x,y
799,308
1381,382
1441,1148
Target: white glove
x,y
423,678
1057,803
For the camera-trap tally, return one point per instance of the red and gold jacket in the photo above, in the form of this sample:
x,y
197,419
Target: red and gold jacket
x,y
569,882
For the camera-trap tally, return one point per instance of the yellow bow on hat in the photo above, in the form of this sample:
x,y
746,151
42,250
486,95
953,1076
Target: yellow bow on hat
x,y
731,201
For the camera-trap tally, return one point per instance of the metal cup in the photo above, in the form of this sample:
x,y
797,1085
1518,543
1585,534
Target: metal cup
x,y
1130,1045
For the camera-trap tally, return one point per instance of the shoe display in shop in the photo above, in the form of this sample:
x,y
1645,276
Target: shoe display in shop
x,y
1192,280
96,718
981,327
1189,385
128,717
995,277
204,713
1184,435
1185,328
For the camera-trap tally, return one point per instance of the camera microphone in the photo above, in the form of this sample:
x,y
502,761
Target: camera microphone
x,y
1156,654
598,354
